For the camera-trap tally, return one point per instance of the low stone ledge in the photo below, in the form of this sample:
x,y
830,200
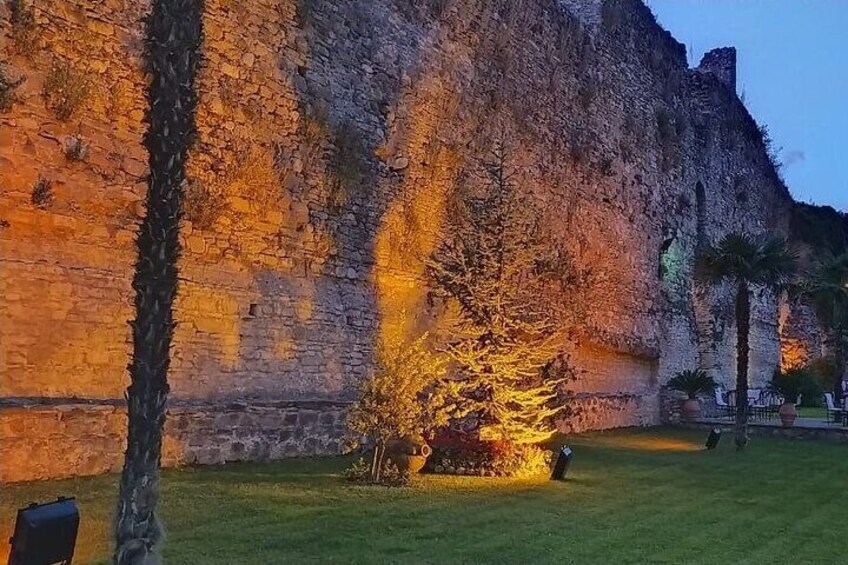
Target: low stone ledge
x,y
72,437
774,429
601,411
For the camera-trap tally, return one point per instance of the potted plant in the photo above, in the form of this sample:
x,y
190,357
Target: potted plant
x,y
693,384
788,385
400,401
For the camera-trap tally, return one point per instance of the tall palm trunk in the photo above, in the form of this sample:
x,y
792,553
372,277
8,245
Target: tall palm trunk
x,y
839,362
743,330
172,52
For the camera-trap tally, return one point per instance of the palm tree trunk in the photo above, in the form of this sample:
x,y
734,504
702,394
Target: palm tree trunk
x,y
172,52
839,362
743,330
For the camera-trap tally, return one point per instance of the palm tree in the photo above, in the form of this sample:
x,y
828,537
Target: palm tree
x,y
173,38
827,290
746,263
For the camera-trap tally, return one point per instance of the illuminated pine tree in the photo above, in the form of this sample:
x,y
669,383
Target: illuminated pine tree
x,y
496,264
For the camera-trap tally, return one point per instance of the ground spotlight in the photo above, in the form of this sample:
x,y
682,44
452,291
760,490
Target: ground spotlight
x,y
45,533
563,462
712,439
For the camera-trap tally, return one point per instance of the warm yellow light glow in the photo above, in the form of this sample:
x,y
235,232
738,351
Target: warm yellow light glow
x,y
648,444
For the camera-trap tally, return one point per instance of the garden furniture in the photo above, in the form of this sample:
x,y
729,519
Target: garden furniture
x,y
724,409
834,414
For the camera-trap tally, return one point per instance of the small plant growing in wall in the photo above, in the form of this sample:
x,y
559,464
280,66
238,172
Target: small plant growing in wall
x,y
7,91
202,206
670,129
23,31
347,164
75,148
400,403
42,193
65,90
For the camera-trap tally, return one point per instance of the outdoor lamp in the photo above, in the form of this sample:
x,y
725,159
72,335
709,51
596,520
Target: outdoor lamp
x,y
45,533
562,463
712,439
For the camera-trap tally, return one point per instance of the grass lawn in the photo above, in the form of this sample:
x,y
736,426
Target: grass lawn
x,y
635,496
819,413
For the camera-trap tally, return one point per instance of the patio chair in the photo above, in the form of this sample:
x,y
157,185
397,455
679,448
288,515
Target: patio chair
x,y
772,401
724,409
756,406
834,414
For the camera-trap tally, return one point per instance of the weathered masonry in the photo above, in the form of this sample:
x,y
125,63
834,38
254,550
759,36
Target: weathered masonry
x,y
331,137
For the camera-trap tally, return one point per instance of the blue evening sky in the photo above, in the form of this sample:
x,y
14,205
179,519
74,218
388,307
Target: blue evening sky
x,y
793,71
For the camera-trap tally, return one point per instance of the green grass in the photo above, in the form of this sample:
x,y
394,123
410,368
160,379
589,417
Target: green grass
x,y
820,413
646,496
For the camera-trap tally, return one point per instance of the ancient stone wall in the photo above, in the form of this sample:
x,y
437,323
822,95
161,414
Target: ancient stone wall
x,y
63,440
332,136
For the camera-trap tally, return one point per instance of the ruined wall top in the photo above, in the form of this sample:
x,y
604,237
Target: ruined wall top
x,y
722,63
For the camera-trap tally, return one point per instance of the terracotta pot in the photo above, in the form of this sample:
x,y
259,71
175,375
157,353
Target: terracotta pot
x,y
691,410
787,414
409,454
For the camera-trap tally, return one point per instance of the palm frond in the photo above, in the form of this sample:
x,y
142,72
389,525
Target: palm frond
x,y
741,257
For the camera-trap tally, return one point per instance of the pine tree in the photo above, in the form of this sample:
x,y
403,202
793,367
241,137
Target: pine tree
x,y
496,264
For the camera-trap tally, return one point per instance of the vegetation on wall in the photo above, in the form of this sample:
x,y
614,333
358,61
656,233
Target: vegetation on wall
x,y
253,174
75,148
24,32
202,205
671,126
7,91
42,193
65,90
347,164
822,228
772,151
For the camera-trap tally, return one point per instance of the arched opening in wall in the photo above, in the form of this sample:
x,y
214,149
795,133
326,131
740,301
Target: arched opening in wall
x,y
701,211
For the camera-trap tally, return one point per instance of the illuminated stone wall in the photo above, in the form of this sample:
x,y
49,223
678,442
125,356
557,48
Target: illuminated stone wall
x,y
331,137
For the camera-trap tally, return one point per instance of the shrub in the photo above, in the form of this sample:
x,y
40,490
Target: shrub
x,y
347,164
42,193
23,29
75,148
792,383
201,205
254,174
401,398
823,373
7,91
391,475
65,90
692,383
460,453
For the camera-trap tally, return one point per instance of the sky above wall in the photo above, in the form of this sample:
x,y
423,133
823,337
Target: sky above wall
x,y
792,74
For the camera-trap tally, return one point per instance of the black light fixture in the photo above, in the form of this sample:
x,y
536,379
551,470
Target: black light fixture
x,y
45,533
563,462
712,439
